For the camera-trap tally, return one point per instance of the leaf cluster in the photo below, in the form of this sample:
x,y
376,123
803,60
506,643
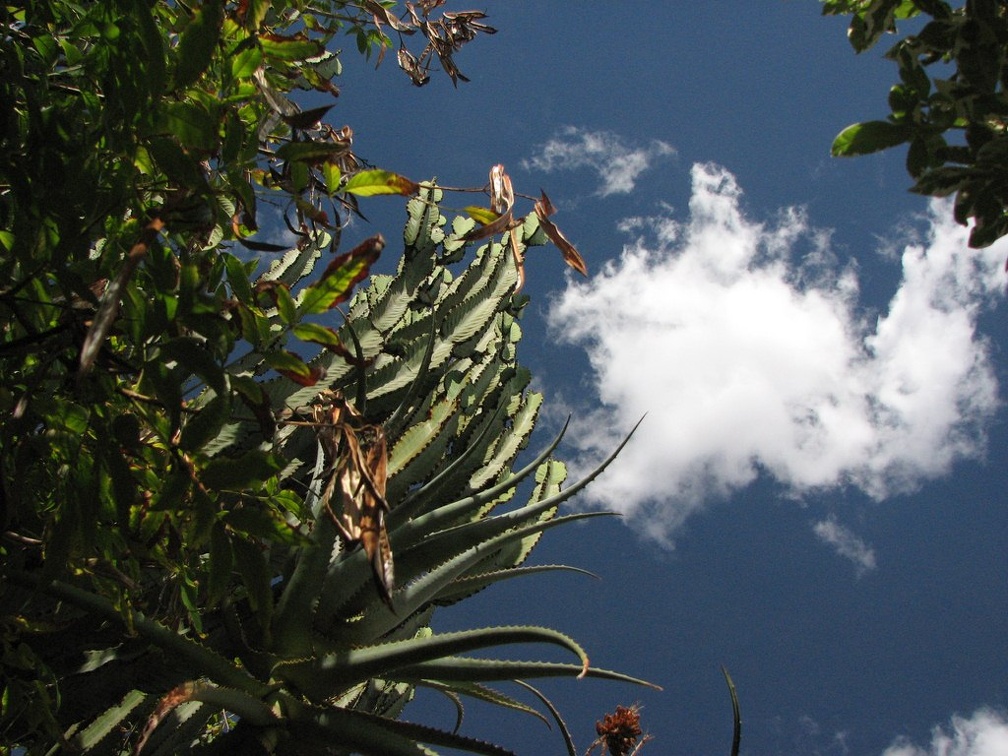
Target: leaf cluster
x,y
950,105
175,569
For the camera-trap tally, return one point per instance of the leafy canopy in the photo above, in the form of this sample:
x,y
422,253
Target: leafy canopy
x,y
950,104
233,493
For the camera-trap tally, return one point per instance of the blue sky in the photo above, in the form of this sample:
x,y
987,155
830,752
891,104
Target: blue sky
x,y
816,497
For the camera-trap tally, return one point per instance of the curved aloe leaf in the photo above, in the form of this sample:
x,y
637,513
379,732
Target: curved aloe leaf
x,y
321,675
365,733
568,740
468,669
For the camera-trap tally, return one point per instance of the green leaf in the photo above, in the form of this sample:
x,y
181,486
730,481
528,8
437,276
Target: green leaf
x,y
358,664
370,183
481,215
251,563
107,722
331,176
340,277
317,334
244,63
206,423
293,367
176,164
238,278
240,473
193,356
868,137
191,124
221,564
198,41
293,48
255,12
310,152
285,304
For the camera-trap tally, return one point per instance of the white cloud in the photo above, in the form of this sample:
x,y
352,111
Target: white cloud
x,y
983,734
616,164
846,544
746,347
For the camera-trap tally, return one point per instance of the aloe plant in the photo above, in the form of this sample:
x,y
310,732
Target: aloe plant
x,y
319,640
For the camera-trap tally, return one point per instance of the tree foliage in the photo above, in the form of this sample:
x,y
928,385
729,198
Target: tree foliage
x,y
950,105
234,492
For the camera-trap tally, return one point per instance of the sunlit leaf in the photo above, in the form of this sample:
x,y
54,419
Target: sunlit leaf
x,y
293,367
372,182
868,137
340,277
246,61
331,176
317,334
481,215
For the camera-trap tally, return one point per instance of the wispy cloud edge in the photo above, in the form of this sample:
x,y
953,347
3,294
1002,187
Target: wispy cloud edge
x,y
846,544
617,164
984,733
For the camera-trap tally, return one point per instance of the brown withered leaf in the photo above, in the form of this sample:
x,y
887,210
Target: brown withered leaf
x,y
381,15
501,191
108,308
170,701
502,201
357,465
409,64
543,209
503,223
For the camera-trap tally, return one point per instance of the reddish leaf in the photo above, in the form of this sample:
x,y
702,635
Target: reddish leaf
x,y
168,703
265,291
328,338
340,276
291,366
503,223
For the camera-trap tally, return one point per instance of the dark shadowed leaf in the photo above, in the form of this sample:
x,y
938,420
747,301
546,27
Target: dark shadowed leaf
x,y
306,119
239,473
294,47
196,46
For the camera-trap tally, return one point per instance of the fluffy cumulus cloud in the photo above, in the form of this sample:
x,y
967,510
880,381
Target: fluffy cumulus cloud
x,y
983,734
747,348
846,544
617,164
